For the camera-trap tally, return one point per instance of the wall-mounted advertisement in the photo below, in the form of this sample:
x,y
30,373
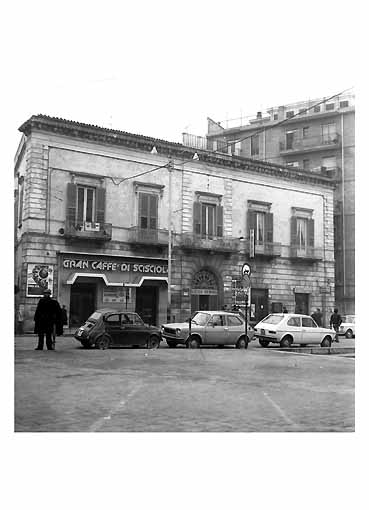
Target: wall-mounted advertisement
x,y
39,278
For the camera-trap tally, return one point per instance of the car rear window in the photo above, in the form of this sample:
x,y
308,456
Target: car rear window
x,y
273,319
94,317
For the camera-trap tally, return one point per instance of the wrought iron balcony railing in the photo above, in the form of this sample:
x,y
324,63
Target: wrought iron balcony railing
x,y
301,144
87,230
190,241
145,236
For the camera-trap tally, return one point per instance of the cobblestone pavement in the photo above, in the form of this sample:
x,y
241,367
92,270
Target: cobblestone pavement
x,y
180,390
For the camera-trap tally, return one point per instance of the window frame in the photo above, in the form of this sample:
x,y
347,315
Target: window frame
x,y
83,217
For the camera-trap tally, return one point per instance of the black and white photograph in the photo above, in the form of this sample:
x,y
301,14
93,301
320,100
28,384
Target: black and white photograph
x,y
181,179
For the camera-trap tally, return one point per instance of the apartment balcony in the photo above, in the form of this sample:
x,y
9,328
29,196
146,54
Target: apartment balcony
x,y
88,230
148,236
309,144
265,250
308,254
194,242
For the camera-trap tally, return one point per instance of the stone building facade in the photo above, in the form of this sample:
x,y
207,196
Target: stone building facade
x,y
93,207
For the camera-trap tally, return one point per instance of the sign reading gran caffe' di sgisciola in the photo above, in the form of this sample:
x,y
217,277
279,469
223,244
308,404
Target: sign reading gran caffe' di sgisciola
x,y
133,266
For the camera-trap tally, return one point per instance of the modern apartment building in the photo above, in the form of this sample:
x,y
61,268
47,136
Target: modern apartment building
x,y
106,218
317,137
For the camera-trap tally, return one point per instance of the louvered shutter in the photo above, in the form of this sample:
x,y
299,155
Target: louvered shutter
x,y
219,220
100,205
310,233
269,227
197,218
293,231
143,210
71,203
251,222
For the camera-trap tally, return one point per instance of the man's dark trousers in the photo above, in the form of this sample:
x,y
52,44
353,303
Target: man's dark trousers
x,y
49,341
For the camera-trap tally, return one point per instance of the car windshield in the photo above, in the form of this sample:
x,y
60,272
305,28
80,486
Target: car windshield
x,y
200,318
273,319
94,317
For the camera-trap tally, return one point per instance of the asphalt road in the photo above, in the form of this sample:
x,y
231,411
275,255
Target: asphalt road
x,y
181,390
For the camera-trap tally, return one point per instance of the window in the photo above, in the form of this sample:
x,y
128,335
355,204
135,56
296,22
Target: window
x,y
217,320
294,321
306,164
316,109
275,116
302,231
329,107
344,104
85,204
20,200
234,321
208,215
302,111
260,228
113,318
305,132
329,162
255,145
329,134
148,211
290,135
307,322
290,114
260,222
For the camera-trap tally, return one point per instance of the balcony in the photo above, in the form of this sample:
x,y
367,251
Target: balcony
x,y
309,144
265,250
88,230
148,236
191,242
308,254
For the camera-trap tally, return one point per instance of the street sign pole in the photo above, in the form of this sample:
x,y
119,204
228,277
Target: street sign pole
x,y
246,272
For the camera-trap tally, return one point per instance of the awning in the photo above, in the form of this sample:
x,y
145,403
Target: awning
x,y
73,277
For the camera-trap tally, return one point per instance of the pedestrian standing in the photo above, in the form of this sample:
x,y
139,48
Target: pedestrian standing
x,y
285,310
335,322
317,316
48,321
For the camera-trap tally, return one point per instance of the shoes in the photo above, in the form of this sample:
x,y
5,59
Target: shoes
x,y
38,349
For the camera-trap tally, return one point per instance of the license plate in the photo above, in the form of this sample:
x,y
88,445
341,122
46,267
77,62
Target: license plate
x,y
80,331
263,331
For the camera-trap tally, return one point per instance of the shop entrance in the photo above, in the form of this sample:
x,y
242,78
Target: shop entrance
x,y
259,304
302,303
82,302
147,303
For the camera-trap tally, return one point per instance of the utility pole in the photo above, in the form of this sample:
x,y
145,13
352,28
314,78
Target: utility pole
x,y
169,309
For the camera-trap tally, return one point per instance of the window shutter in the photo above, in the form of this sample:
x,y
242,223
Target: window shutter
x,y
219,220
310,233
197,218
100,205
153,211
71,202
251,222
269,227
293,231
20,209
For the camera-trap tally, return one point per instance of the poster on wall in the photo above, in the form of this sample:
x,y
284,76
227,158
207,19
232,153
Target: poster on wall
x,y
116,294
39,278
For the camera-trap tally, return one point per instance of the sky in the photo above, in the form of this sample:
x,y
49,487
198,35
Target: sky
x,y
160,68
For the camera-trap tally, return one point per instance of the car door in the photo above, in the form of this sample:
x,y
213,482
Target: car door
x,y
216,331
136,331
310,332
293,326
236,327
113,327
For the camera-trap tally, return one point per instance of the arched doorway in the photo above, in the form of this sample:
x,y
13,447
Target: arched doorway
x,y
204,291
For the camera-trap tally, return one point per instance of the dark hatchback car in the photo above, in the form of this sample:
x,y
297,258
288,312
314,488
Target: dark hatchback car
x,y
111,328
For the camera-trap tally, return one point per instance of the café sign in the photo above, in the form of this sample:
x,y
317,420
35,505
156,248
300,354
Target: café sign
x,y
104,265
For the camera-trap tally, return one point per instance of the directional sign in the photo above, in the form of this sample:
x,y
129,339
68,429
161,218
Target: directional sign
x,y
246,270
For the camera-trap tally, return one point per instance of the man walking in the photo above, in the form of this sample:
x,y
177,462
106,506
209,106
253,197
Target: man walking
x,y
47,321
317,316
335,322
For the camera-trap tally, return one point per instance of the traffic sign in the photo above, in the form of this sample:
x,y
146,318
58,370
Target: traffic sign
x,y
246,270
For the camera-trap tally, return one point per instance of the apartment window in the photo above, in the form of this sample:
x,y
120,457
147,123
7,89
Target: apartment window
x,y
20,200
290,114
344,104
290,136
275,116
305,132
329,107
255,145
208,215
329,134
85,204
260,228
302,231
329,162
316,109
302,111
260,221
306,164
148,211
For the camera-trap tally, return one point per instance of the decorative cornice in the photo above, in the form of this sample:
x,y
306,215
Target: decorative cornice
x,y
164,148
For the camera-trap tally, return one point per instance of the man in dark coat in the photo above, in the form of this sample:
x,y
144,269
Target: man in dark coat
x,y
335,322
48,321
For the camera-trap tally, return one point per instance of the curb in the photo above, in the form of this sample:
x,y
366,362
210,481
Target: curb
x,y
321,350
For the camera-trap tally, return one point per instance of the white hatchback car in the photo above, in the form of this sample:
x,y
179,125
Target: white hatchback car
x,y
292,328
347,327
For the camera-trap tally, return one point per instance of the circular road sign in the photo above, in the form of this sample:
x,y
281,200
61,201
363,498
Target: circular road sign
x,y
246,270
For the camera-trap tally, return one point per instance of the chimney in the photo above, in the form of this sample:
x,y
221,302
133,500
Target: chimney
x,y
258,115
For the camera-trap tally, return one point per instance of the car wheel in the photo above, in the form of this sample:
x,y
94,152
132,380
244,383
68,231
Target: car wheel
x,y
326,342
286,341
349,333
154,342
85,344
193,343
171,344
242,343
103,342
264,343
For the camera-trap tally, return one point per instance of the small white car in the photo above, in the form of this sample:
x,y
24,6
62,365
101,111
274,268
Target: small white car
x,y
347,327
286,329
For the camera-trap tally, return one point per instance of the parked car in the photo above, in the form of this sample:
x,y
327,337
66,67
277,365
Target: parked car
x,y
347,328
111,328
291,328
209,328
